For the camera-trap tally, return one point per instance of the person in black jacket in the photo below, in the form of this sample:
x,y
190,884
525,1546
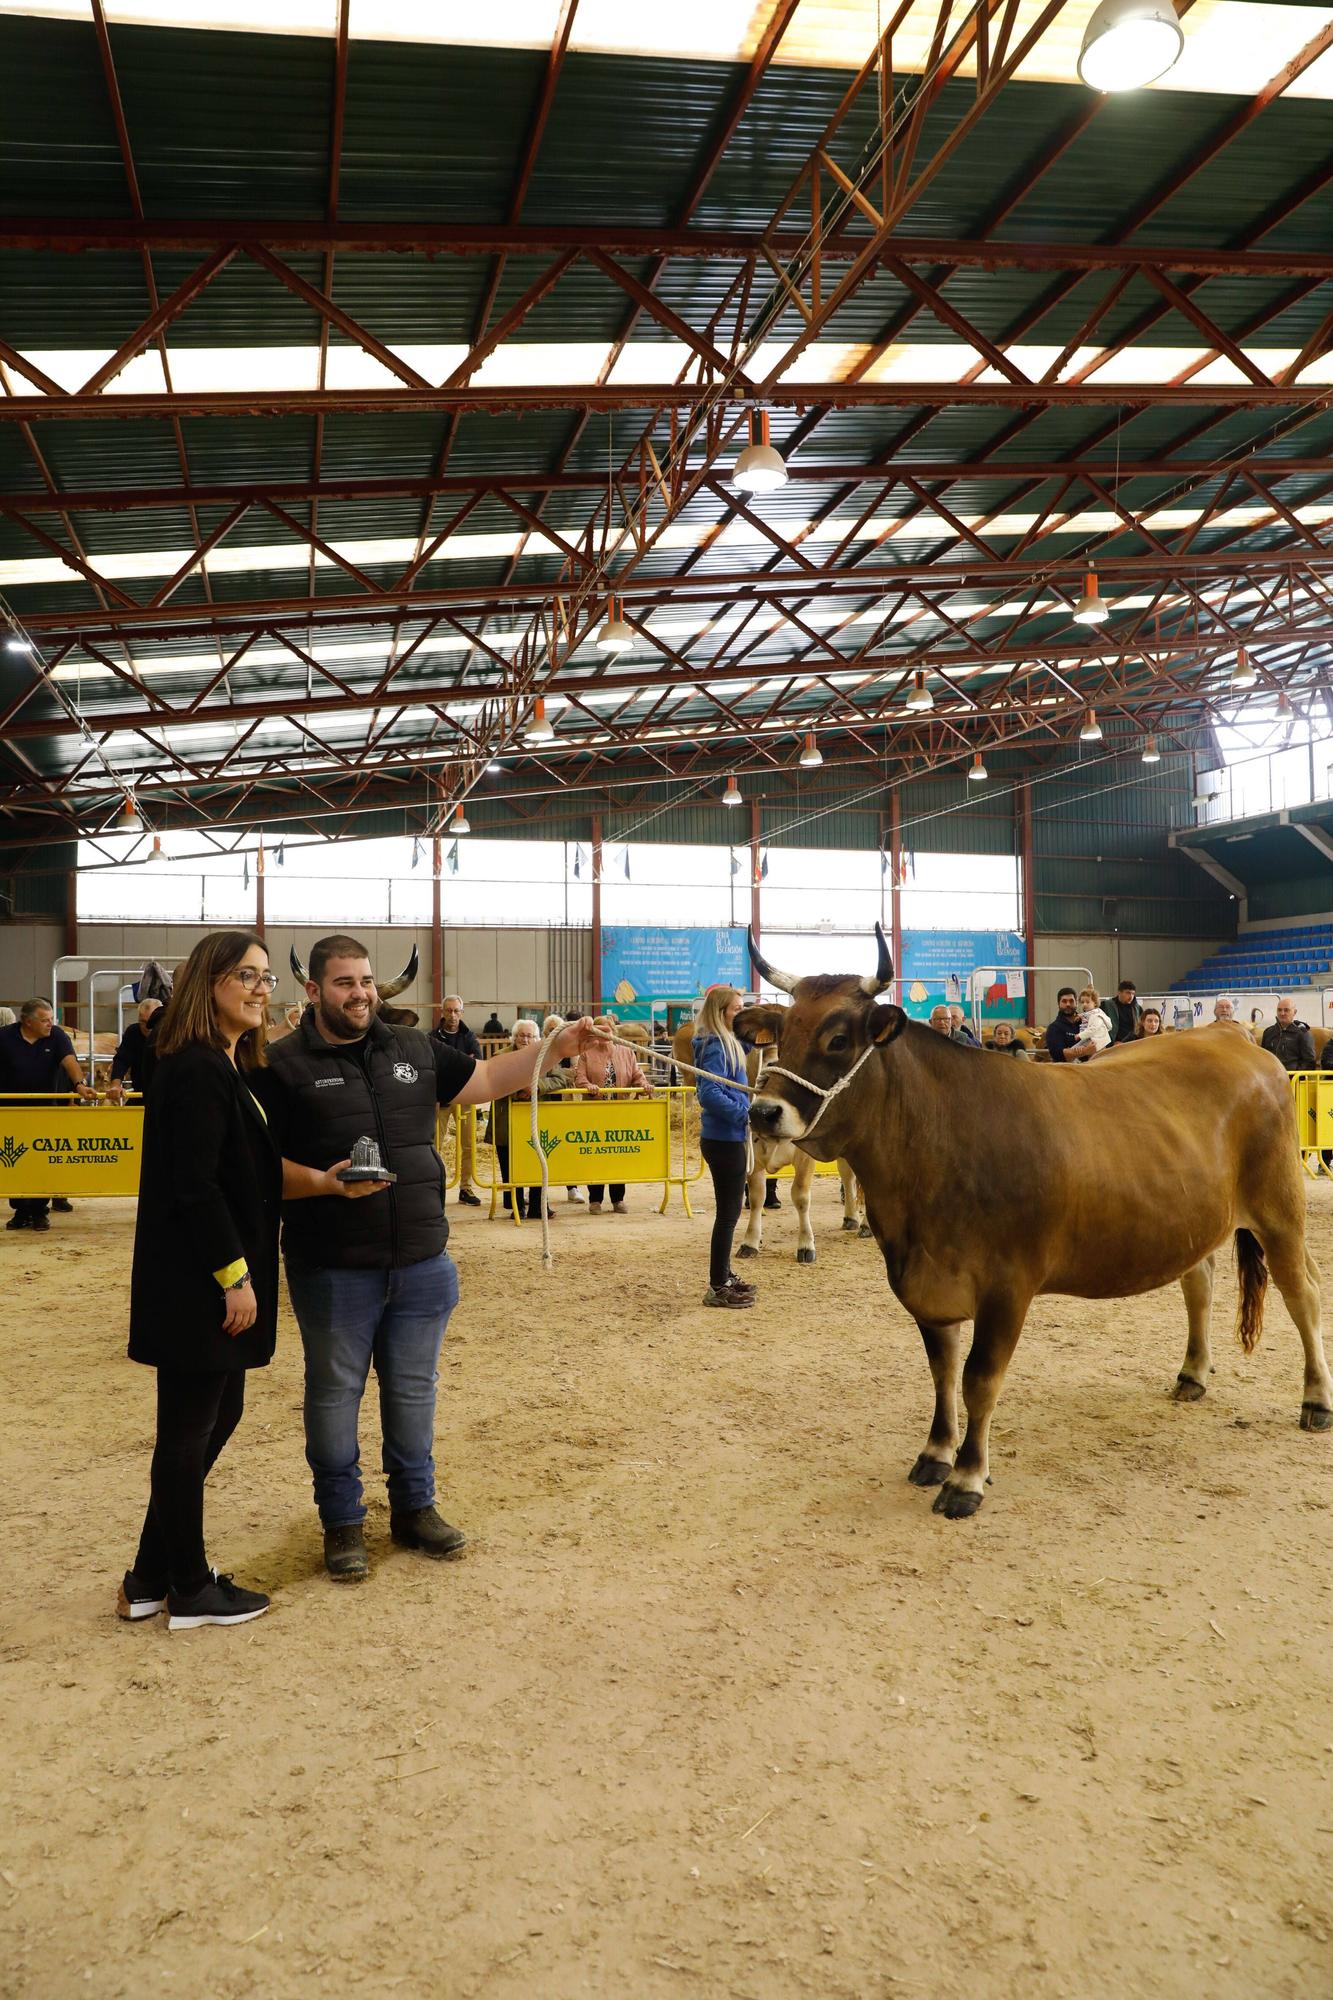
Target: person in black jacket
x,y
453,1031
1288,1039
130,1064
203,1298
374,1282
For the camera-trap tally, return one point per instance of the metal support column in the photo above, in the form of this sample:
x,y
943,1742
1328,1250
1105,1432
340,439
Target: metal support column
x,y
436,932
597,913
755,829
1027,890
896,882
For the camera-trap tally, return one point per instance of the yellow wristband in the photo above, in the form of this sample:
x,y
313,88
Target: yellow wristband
x,y
231,1274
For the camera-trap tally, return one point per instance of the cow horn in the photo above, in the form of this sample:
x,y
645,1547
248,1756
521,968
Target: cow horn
x,y
782,980
391,988
297,967
884,973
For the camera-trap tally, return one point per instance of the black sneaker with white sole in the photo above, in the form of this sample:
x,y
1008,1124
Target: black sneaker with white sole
x,y
220,1602
137,1599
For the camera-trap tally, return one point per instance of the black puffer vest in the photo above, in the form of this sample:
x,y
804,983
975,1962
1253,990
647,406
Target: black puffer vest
x,y
383,1088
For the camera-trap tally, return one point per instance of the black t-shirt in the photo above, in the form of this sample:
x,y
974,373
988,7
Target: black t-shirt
x,y
33,1066
1062,1034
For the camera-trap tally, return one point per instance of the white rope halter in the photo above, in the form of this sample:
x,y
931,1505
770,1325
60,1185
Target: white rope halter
x,y
827,1096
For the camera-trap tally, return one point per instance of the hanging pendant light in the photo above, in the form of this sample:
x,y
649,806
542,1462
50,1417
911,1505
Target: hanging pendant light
x,y
539,729
760,468
732,795
615,635
1128,43
920,700
131,820
1091,608
156,854
978,774
1091,732
1243,674
459,823
1151,754
810,758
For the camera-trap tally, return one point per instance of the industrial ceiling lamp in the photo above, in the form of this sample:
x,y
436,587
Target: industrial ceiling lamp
x,y
16,643
1128,43
131,820
811,757
920,701
1091,732
732,795
460,821
760,467
539,729
615,635
1091,608
978,774
1151,754
1243,674
156,854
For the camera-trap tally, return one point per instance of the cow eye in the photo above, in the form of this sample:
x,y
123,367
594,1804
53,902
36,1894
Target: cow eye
x,y
837,1043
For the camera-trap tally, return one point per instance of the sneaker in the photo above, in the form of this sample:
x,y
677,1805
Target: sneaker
x,y
423,1528
724,1296
594,1208
135,1600
573,1195
468,1199
62,1207
619,1208
735,1284
345,1553
220,1602
772,1203
19,1222
39,1222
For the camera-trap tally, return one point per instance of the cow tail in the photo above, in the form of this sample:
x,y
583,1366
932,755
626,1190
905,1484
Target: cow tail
x,y
1252,1272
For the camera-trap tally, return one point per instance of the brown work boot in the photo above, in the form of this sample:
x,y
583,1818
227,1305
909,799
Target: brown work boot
x,y
425,1529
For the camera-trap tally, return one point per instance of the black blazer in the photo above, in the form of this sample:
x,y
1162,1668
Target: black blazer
x,y
210,1191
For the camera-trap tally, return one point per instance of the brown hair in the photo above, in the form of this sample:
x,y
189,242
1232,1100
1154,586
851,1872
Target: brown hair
x,y
337,946
191,1014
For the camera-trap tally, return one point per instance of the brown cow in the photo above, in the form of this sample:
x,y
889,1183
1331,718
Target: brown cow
x,y
981,1192
770,1156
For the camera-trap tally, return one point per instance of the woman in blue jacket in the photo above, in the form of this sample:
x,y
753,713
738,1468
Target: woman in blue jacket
x,y
725,1115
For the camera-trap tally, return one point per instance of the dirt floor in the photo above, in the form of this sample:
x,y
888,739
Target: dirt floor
x,y
713,1705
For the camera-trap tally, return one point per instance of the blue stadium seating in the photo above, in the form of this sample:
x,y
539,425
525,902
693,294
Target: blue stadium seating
x,y
1301,955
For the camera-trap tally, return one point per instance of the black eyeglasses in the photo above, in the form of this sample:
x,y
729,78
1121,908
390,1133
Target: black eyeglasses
x,y
249,978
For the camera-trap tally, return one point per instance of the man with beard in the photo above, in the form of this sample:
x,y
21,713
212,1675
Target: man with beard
x,y
372,1280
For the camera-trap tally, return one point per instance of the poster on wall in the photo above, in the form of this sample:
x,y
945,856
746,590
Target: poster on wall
x,y
648,962
951,965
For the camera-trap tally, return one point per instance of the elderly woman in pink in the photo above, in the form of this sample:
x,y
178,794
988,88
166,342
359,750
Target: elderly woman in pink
x,y
609,1068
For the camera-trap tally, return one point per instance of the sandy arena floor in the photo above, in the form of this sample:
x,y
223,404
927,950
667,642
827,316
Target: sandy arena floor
x,y
713,1705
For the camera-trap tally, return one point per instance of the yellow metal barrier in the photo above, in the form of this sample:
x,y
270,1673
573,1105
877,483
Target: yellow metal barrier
x,y
57,1144
614,1136
1312,1093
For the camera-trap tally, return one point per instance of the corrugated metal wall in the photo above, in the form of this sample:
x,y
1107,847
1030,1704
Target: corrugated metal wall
x,y
570,958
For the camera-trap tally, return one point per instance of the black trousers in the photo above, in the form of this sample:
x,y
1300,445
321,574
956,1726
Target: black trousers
x,y
196,1414
617,1191
725,1159
29,1205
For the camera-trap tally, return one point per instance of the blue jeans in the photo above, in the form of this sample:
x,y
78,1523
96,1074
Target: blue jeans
x,y
349,1319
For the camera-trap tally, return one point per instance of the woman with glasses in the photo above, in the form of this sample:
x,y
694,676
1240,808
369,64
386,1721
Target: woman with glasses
x,y
203,1302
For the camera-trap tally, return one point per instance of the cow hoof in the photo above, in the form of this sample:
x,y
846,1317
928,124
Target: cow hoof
x,y
747,1250
929,1471
1314,1417
865,1230
1187,1390
956,1503
849,1222
804,1256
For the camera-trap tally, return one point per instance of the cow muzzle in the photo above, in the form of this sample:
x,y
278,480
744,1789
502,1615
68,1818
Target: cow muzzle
x,y
773,1118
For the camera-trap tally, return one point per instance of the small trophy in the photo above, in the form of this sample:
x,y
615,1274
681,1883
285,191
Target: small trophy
x,y
366,1164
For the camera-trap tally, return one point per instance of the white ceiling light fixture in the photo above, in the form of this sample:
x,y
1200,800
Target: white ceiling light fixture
x,y
1243,674
460,822
539,729
978,774
1091,608
131,819
761,468
615,635
1091,732
732,795
156,854
1129,43
1151,754
811,757
920,701
16,643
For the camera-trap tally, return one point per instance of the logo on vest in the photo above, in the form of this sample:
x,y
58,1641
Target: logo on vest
x,y
405,1072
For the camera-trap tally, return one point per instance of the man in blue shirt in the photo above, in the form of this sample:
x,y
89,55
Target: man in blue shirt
x,y
36,1056
1064,1030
